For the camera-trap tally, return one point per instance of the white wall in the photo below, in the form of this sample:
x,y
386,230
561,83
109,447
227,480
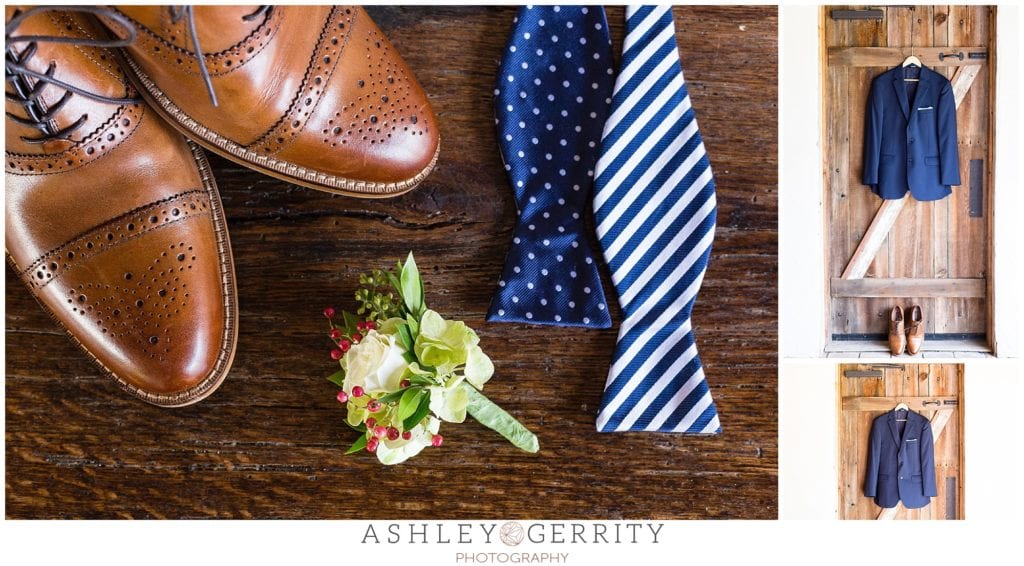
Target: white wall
x,y
801,224
1009,173
801,251
808,438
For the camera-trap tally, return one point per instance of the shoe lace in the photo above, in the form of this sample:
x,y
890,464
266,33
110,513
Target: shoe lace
x,y
40,116
186,12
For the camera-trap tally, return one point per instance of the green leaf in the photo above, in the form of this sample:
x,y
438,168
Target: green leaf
x,y
414,326
393,280
405,336
421,380
350,322
412,286
421,411
392,397
358,445
337,378
495,418
409,403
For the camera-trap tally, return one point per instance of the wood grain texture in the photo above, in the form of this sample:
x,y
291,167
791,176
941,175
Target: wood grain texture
x,y
928,240
269,443
864,399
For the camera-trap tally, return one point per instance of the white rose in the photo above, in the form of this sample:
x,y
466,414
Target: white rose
x,y
377,364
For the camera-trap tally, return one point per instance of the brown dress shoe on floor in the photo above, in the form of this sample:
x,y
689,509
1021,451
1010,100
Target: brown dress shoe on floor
x,y
915,334
113,219
314,95
897,335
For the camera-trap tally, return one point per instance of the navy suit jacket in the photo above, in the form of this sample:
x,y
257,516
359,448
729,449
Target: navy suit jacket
x,y
901,461
911,144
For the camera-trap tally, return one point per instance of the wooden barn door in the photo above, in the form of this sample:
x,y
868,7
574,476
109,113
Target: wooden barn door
x,y
884,253
933,390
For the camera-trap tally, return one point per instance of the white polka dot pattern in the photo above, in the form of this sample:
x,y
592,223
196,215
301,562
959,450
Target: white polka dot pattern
x,y
553,94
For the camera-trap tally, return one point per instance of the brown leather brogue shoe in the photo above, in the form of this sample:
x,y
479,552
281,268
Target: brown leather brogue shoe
x,y
314,95
897,334
915,333
113,219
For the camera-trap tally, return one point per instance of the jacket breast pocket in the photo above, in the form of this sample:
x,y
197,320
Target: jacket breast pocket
x,y
931,160
888,156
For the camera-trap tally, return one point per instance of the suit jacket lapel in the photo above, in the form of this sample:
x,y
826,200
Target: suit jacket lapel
x,y
891,419
901,92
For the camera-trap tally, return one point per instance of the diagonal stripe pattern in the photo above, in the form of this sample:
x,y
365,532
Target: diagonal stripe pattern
x,y
654,206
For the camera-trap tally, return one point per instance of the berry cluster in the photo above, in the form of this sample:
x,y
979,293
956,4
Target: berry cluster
x,y
381,425
344,339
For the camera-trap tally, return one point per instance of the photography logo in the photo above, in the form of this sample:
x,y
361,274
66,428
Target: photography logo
x,y
511,533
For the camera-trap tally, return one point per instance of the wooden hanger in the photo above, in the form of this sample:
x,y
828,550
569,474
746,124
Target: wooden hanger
x,y
909,61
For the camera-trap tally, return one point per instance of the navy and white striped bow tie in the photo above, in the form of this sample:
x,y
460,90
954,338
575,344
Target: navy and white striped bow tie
x,y
654,205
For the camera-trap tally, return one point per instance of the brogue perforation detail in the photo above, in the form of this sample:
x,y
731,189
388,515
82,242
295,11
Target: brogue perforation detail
x,y
141,307
132,225
217,64
382,109
334,37
121,125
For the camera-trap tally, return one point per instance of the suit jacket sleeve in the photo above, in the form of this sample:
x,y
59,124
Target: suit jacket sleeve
x,y
874,452
928,461
872,137
949,154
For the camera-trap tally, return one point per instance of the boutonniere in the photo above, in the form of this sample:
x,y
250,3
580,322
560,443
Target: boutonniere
x,y
404,370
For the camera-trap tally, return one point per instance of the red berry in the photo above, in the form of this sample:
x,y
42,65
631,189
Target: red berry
x,y
437,440
336,354
357,337
370,423
405,383
329,312
407,435
360,326
393,433
342,397
373,406
357,391
335,333
379,431
371,325
371,445
344,344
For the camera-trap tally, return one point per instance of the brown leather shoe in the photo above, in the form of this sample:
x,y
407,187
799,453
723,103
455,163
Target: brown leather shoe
x,y
897,335
314,95
915,334
113,220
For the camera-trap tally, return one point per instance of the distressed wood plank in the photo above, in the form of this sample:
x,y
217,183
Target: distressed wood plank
x,y
886,403
268,444
892,56
908,287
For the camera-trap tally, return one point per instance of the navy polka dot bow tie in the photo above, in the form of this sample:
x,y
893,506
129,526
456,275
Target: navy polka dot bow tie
x,y
553,94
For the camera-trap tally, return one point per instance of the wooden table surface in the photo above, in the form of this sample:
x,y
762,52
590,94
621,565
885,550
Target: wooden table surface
x,y
269,442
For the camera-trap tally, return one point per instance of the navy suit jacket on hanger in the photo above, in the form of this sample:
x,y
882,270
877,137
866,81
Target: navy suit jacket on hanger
x,y
901,461
910,136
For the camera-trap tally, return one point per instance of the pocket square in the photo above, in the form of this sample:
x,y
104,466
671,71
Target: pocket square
x,y
926,108
911,440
